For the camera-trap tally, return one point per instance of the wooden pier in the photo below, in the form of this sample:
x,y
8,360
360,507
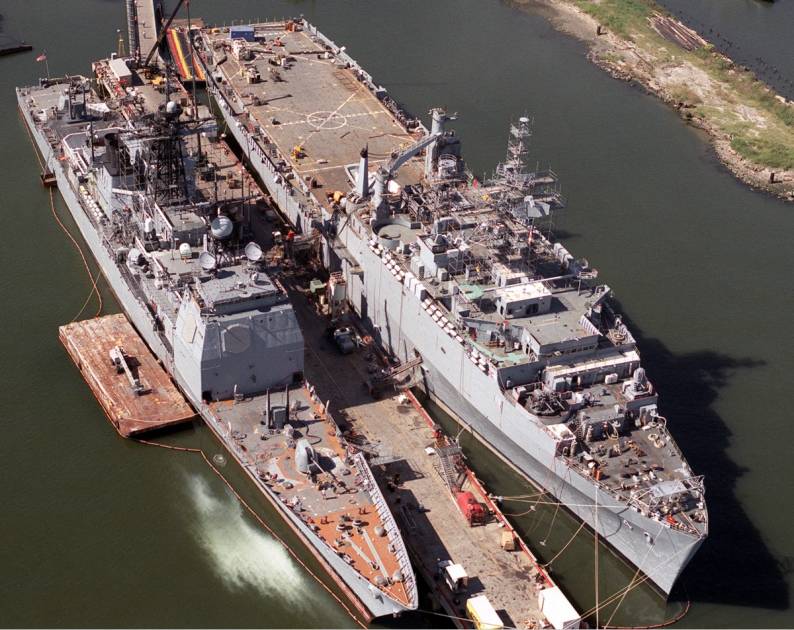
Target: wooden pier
x,y
135,391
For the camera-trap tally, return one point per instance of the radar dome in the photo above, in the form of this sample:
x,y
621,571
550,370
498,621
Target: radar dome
x,y
221,227
253,252
173,108
185,251
207,261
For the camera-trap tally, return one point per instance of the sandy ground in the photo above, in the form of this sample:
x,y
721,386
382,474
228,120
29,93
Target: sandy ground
x,y
678,82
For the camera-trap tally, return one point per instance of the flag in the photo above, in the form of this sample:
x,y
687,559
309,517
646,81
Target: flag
x,y
42,57
475,183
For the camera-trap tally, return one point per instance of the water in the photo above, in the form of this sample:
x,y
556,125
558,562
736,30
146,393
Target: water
x,y
754,33
103,532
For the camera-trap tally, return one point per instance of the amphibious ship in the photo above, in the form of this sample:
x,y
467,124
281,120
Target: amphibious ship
x,y
162,203
506,328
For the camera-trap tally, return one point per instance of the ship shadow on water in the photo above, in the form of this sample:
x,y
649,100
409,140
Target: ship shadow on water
x,y
734,565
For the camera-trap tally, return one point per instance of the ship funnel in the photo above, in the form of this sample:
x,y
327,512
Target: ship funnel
x,y
362,178
437,127
379,190
439,118
640,380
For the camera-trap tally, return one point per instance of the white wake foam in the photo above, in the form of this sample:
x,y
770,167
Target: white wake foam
x,y
242,554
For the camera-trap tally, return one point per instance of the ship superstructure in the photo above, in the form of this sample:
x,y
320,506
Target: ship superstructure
x,y
180,234
508,329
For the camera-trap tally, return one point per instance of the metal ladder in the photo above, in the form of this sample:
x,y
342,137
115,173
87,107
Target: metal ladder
x,y
447,456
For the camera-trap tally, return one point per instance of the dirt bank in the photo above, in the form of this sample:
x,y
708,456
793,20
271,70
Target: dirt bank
x,y
751,128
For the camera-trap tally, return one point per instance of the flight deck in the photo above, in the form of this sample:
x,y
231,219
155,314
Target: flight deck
x,y
314,108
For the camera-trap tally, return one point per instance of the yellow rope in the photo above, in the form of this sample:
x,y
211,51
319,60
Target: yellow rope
x,y
559,553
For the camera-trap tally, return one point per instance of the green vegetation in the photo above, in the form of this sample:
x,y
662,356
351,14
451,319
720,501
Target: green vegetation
x,y
620,16
728,99
764,150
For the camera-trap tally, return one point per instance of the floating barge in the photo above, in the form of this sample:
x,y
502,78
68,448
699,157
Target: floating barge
x,y
133,388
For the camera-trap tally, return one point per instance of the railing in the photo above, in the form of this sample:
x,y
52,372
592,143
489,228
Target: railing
x,y
390,525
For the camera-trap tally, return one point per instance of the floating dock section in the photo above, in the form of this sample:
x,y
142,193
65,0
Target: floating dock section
x,y
133,388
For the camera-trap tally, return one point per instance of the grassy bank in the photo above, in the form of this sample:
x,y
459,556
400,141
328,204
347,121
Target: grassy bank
x,y
620,16
752,128
726,99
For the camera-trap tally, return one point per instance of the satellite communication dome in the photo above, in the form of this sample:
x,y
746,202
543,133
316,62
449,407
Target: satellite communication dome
x,y
221,227
207,261
173,108
253,252
523,119
185,251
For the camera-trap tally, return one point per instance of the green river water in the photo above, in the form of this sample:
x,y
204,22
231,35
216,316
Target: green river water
x,y
98,531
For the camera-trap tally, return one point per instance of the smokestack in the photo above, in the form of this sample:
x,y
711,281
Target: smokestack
x,y
286,394
267,411
431,153
362,180
379,189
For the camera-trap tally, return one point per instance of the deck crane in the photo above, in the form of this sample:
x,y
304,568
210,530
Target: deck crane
x,y
385,173
163,32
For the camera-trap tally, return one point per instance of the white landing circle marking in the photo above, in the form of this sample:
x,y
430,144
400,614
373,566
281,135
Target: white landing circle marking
x,y
326,120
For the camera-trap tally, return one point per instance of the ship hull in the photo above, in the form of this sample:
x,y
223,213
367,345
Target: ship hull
x,y
370,601
661,555
402,326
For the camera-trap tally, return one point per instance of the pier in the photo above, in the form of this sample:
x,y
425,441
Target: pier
x,y
148,14
420,476
133,388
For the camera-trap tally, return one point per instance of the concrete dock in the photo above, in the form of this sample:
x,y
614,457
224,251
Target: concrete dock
x,y
402,440
148,13
136,392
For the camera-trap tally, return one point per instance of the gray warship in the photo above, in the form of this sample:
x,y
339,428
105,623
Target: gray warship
x,y
463,280
162,203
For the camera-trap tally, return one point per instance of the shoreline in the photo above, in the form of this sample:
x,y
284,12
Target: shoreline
x,y
675,80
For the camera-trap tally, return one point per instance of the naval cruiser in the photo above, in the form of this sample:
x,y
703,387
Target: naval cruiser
x,y
510,332
162,204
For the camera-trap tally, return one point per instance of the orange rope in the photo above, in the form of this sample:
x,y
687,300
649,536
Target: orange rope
x,y
559,553
94,287
180,448
663,624
259,520
91,277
